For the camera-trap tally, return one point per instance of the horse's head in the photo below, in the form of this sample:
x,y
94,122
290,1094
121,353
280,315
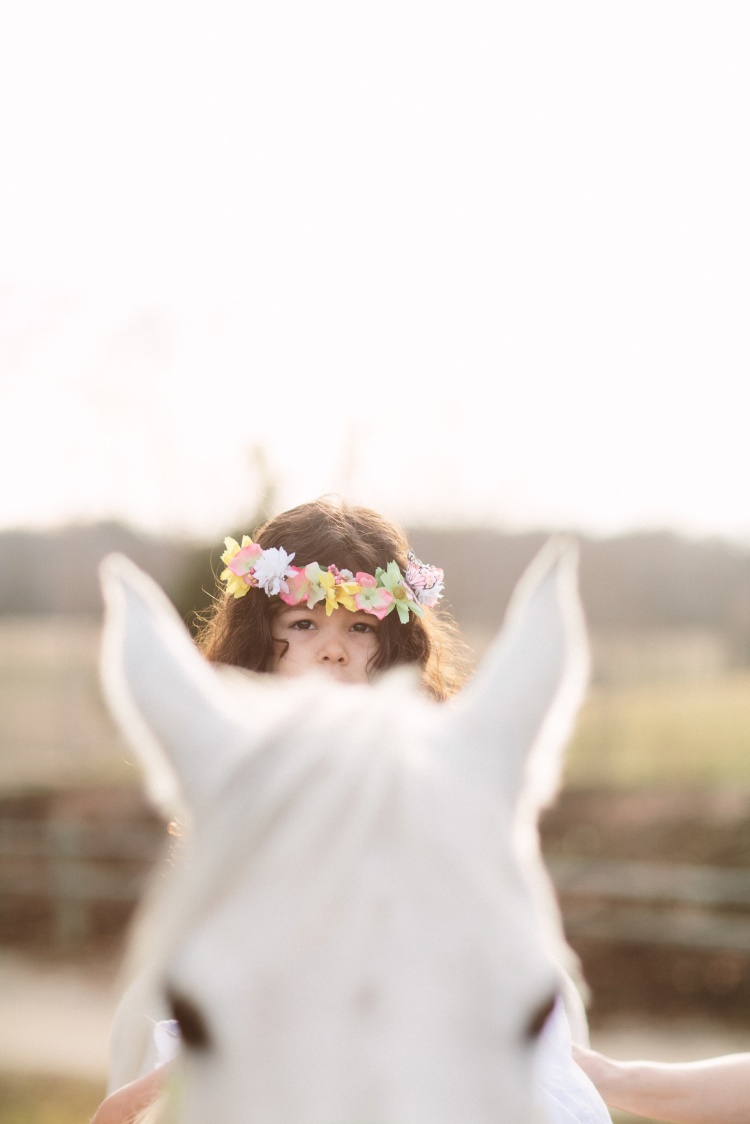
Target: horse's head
x,y
359,928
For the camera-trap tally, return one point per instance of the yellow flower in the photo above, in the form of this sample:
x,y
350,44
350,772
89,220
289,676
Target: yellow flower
x,y
236,586
346,593
233,547
341,594
328,581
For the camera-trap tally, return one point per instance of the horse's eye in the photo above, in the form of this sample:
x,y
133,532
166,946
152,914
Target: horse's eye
x,y
538,1020
193,1029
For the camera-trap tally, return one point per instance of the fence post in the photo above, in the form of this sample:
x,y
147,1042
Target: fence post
x,y
71,920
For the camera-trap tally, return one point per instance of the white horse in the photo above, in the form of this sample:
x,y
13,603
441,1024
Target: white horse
x,y
360,927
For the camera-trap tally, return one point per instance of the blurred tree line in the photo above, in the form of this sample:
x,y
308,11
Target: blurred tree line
x,y
656,580
640,581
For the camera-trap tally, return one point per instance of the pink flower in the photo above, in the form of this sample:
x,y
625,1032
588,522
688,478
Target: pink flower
x,y
243,562
372,598
341,576
298,587
425,581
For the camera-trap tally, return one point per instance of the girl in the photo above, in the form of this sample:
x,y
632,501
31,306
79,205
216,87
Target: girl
x,y
279,611
282,588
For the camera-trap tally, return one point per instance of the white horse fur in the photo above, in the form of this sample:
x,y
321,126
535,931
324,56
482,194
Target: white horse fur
x,y
359,927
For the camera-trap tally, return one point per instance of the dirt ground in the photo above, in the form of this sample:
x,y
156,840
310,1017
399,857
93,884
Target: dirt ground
x,y
55,1017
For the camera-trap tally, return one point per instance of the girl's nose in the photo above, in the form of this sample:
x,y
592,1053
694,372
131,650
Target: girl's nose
x,y
334,651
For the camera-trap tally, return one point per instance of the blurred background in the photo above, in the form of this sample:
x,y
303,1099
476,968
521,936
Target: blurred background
x,y
485,268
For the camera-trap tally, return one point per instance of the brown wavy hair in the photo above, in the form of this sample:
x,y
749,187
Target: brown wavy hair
x,y
239,631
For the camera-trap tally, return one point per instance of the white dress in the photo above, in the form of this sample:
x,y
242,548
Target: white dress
x,y
568,1094
164,1045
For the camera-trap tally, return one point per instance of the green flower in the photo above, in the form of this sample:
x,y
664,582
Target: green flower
x,y
393,580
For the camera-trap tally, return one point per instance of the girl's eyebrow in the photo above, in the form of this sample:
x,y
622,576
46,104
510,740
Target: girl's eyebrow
x,y
359,615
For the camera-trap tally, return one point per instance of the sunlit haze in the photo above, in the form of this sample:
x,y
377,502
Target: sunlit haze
x,y
466,263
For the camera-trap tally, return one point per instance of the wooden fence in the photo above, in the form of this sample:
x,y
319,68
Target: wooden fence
x,y
702,908
62,882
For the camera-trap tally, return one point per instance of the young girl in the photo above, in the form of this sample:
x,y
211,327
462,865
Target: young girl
x,y
279,610
326,555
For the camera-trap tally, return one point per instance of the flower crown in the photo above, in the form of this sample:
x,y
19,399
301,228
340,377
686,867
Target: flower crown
x,y
250,566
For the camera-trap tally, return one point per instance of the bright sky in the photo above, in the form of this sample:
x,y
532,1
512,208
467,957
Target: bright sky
x,y
463,262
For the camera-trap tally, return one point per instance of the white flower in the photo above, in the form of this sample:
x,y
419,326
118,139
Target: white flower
x,y
430,597
271,570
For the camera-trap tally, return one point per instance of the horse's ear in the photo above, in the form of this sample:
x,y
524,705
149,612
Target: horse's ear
x,y
517,713
168,701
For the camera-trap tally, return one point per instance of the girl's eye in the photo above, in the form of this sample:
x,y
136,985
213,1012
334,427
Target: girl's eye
x,y
303,625
362,626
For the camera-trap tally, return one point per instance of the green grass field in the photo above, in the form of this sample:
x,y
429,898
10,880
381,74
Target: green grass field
x,y
35,1099
641,727
693,733
60,1100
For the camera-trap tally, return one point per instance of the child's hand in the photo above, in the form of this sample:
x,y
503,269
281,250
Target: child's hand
x,y
124,1105
596,1067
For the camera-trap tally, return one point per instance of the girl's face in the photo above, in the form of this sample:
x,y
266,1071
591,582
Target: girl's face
x,y
341,645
